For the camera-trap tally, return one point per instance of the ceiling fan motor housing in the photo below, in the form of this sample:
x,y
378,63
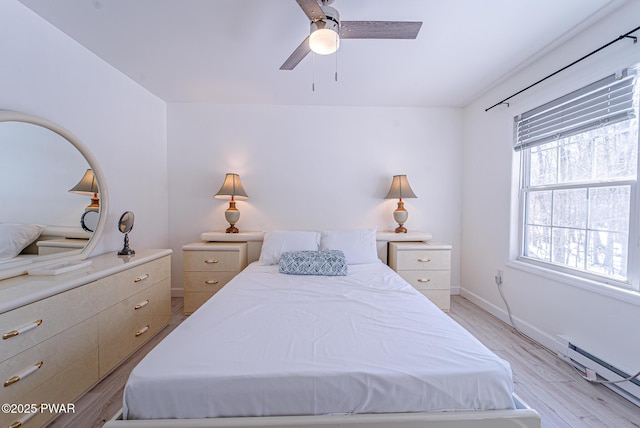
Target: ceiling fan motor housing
x,y
332,21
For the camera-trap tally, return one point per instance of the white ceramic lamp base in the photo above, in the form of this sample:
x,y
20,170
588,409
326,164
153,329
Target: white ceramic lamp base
x,y
400,215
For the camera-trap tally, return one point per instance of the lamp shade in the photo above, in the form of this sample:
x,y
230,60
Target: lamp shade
x,y
400,188
232,186
87,185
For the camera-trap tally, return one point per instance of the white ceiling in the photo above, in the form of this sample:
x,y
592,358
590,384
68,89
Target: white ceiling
x,y
230,51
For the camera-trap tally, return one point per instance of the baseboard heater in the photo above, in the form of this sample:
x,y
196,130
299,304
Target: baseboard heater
x,y
583,359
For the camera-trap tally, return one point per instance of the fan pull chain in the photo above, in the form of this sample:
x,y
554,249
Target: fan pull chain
x,y
337,58
313,72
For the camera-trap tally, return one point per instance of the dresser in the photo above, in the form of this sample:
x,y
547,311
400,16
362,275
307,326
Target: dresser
x,y
426,266
61,334
208,266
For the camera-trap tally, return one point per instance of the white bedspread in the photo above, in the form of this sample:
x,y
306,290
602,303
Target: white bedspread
x,y
272,344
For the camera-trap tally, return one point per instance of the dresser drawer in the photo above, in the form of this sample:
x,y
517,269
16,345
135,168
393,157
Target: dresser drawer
x,y
423,259
128,324
63,388
207,282
124,284
45,318
215,261
28,370
427,280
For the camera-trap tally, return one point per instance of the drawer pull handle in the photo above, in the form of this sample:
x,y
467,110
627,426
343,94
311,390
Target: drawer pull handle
x,y
211,261
20,330
141,278
23,420
141,305
211,281
424,279
22,375
424,260
142,331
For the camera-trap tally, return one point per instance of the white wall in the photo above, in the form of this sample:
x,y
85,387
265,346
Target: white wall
x,y
312,168
544,307
47,74
22,184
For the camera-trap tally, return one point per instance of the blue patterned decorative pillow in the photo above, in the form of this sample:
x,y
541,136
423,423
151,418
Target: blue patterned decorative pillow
x,y
323,262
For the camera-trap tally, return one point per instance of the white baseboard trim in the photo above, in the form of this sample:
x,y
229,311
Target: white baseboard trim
x,y
177,292
455,290
542,338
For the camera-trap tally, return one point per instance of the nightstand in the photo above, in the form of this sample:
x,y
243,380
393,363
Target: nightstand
x,y
426,266
53,246
208,266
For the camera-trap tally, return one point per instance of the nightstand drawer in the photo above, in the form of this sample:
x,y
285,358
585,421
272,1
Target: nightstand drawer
x,y
193,300
441,298
208,266
207,282
427,280
423,259
426,266
215,261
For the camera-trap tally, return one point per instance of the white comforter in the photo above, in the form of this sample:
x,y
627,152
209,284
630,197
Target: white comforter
x,y
273,344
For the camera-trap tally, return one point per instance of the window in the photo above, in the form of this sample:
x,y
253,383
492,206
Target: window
x,y
578,187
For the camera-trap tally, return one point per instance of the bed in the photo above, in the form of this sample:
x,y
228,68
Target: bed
x,y
360,347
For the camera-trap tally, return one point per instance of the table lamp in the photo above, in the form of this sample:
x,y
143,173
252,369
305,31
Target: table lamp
x,y
400,188
88,185
232,186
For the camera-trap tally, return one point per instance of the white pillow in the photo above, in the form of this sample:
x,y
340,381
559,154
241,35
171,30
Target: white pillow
x,y
15,237
359,245
278,242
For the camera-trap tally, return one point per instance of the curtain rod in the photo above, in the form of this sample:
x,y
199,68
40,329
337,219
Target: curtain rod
x,y
624,36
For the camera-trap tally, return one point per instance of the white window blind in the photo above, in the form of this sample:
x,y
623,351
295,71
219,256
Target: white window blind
x,y
604,102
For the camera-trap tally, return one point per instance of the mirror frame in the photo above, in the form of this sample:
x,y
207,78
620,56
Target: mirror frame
x,y
42,261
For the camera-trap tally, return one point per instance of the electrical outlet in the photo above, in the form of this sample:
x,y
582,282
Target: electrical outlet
x,y
590,374
499,277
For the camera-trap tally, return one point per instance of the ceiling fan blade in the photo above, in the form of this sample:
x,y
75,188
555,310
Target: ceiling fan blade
x,y
298,55
312,9
379,29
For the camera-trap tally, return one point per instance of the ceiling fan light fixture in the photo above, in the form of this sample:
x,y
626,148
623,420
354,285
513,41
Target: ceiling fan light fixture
x,y
324,41
324,38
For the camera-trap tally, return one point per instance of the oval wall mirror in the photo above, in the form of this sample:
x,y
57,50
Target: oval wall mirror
x,y
51,182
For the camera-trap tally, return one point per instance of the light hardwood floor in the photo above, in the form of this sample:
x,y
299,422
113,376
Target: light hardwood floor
x,y
541,379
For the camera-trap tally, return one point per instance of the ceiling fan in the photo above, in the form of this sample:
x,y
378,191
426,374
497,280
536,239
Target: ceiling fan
x,y
327,30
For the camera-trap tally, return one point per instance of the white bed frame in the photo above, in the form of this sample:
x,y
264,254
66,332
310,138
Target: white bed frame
x,y
522,417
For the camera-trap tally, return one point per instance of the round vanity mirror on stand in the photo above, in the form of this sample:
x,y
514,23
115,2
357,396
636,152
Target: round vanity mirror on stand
x,y
89,220
125,225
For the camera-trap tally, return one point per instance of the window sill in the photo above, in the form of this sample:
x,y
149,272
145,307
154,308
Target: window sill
x,y
628,296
